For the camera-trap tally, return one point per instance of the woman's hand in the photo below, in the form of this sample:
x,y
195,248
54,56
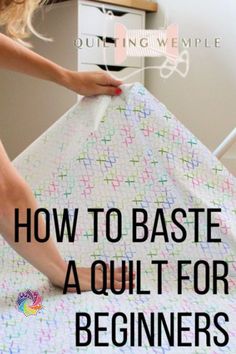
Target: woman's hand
x,y
18,58
91,83
84,278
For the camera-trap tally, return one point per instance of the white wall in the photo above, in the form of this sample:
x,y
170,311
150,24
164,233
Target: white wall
x,y
205,101
29,106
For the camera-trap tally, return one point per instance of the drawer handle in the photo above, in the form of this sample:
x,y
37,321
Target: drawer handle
x,y
111,67
107,39
117,13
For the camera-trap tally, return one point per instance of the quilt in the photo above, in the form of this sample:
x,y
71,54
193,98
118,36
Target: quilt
x,y
129,153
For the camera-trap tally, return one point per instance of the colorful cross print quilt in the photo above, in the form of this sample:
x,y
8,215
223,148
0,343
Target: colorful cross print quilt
x,y
127,152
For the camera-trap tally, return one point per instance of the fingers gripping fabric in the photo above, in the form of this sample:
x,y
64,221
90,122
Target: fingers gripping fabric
x,y
124,152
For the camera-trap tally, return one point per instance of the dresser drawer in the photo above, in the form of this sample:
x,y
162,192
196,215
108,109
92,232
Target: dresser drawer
x,y
95,50
99,20
121,73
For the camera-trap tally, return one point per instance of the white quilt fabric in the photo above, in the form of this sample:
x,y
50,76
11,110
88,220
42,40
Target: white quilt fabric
x,y
124,152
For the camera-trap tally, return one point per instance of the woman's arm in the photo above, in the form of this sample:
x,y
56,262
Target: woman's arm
x,y
15,193
14,56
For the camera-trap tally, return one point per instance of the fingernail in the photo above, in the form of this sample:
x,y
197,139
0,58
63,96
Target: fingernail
x,y
118,91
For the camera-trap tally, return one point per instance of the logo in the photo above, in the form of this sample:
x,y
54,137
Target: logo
x,y
164,43
29,302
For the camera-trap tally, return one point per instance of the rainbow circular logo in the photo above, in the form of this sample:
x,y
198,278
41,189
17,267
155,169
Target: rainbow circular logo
x,y
29,302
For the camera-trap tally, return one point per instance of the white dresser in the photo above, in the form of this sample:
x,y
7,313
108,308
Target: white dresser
x,y
97,39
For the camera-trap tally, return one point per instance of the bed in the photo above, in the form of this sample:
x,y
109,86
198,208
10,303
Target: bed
x,y
121,152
